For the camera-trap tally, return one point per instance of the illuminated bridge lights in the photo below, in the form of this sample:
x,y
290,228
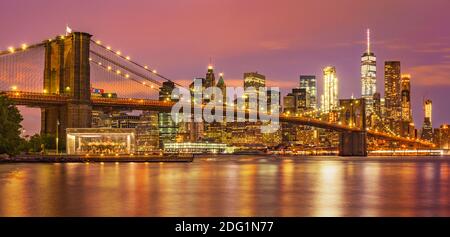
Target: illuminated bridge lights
x,y
128,58
39,99
121,74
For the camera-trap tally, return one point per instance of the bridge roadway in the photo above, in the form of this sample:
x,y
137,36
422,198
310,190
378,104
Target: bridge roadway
x,y
33,99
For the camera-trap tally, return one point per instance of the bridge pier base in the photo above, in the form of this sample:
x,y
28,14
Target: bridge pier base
x,y
353,144
63,117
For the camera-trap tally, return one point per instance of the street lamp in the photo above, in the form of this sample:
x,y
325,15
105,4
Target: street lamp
x,y
57,137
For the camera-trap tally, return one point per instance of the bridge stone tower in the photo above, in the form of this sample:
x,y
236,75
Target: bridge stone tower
x,y
67,73
353,143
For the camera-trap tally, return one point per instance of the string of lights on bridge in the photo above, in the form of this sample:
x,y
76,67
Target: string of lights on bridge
x,y
23,47
128,58
122,74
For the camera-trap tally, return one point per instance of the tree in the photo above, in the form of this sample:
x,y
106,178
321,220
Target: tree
x,y
37,142
10,127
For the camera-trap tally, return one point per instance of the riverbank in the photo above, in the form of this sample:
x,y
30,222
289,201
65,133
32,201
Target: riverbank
x,y
93,158
190,158
444,158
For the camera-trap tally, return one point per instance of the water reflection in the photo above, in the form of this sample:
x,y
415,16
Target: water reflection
x,y
231,186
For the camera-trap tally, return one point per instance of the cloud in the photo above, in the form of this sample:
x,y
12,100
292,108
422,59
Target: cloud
x,y
431,75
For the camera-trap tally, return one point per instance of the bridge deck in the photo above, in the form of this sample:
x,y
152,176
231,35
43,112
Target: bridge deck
x,y
43,99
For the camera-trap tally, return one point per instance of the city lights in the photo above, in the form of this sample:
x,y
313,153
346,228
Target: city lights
x,y
298,106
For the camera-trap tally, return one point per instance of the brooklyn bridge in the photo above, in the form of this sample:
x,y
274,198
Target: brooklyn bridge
x,y
74,63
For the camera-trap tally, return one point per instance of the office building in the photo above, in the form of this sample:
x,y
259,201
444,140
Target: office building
x,y
392,93
427,128
255,80
368,76
406,98
308,82
168,128
330,94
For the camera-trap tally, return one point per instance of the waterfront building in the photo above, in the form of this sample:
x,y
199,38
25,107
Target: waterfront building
x,y
308,82
392,87
98,141
197,148
124,120
330,95
368,76
427,128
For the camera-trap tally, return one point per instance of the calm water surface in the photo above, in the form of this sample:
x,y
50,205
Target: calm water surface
x,y
231,186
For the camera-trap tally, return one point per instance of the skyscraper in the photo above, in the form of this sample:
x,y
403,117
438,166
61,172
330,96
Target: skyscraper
x,y
406,98
254,79
297,101
368,76
427,129
210,79
221,85
330,100
165,91
168,129
392,93
253,82
308,82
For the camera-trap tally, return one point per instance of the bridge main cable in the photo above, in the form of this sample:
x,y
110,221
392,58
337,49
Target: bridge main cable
x,y
126,68
99,64
24,48
134,62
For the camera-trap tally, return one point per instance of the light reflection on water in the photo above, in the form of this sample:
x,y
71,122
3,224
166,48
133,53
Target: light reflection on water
x,y
232,186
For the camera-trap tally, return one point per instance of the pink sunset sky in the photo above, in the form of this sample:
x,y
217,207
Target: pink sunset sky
x,y
280,39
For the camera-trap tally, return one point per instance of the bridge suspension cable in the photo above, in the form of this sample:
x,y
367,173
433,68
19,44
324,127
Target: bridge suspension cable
x,y
128,59
123,67
22,48
22,68
123,75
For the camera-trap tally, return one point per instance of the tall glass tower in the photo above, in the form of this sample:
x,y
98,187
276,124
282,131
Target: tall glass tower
x,y
308,82
427,129
368,76
330,99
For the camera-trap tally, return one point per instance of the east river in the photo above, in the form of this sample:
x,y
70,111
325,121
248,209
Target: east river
x,y
230,186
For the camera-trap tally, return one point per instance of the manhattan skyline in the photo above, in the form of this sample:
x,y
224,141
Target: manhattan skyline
x,y
299,38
